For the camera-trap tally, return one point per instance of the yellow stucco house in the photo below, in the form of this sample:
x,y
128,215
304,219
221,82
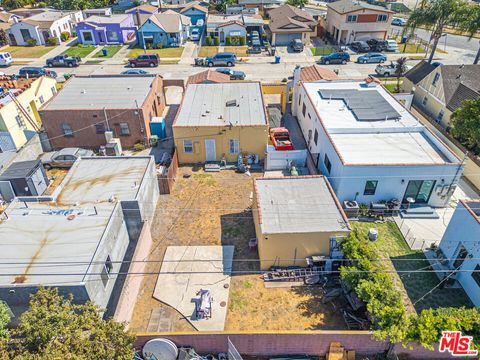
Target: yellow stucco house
x,y
222,120
440,90
19,103
295,217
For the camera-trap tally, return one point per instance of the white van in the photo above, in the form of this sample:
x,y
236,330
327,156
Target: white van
x,y
391,45
5,59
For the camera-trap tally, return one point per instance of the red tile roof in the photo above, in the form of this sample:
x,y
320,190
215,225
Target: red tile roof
x,y
315,72
208,76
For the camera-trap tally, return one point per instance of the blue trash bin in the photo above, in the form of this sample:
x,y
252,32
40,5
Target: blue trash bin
x,y
104,52
277,59
404,39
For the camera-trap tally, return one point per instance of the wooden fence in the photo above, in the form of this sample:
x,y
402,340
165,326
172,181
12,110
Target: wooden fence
x,y
166,181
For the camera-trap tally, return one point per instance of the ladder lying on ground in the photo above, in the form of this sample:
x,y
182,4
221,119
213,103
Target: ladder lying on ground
x,y
293,274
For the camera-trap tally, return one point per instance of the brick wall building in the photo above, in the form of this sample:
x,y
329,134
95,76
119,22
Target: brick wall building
x,y
87,106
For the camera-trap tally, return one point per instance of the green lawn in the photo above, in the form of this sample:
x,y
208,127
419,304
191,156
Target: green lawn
x,y
322,51
207,51
111,51
391,245
28,51
391,87
173,52
79,50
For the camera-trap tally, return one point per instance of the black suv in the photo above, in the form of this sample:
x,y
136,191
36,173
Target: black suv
x,y
377,45
35,72
360,46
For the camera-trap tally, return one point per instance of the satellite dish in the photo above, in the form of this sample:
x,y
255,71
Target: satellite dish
x,y
160,349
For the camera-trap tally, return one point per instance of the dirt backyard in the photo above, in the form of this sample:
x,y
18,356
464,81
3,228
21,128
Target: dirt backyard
x,y
215,209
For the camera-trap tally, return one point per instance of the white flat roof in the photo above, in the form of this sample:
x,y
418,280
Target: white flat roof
x,y
298,205
34,234
236,104
387,149
335,114
343,108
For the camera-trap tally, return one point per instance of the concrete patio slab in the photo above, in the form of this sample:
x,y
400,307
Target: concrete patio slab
x,y
421,233
188,269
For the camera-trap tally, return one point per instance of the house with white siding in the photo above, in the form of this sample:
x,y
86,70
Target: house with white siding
x,y
370,147
461,246
41,26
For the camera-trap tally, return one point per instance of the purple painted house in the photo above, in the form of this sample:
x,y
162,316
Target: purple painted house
x,y
112,29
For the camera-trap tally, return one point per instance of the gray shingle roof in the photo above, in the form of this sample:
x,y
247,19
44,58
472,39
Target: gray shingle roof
x,y
419,71
461,94
454,75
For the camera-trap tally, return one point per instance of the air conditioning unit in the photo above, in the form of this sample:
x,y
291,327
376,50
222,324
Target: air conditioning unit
x,y
351,208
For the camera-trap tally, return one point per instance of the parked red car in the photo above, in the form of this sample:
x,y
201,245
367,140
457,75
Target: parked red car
x,y
150,60
280,138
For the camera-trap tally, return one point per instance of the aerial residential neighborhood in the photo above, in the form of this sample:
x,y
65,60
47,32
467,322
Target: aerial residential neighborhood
x,y
239,179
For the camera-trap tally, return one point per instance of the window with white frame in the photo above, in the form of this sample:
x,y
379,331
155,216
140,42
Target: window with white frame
x,y
234,146
315,137
53,90
67,130
41,99
382,18
188,146
435,79
124,129
352,18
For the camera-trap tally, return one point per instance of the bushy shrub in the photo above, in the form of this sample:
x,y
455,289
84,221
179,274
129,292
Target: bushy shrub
x,y
52,41
65,35
139,146
41,4
159,46
31,42
217,40
243,40
228,40
208,41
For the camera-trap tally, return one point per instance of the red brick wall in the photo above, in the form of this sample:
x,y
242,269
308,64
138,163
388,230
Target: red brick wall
x,y
83,122
367,18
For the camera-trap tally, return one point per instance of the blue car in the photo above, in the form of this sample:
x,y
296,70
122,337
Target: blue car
x,y
335,58
372,58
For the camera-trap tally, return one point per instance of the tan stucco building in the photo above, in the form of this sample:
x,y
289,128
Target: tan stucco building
x,y
295,217
19,118
439,91
349,21
221,120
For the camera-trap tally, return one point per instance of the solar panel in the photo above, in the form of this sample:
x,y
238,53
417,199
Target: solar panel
x,y
365,105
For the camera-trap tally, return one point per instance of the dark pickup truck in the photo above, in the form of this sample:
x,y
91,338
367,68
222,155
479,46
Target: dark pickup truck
x,y
64,61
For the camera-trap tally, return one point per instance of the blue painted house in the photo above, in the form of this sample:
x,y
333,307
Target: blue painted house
x,y
140,11
195,12
168,29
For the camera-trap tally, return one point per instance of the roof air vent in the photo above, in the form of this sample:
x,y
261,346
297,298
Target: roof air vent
x,y
231,103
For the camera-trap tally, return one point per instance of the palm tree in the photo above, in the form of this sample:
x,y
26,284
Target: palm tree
x,y
400,69
471,20
436,15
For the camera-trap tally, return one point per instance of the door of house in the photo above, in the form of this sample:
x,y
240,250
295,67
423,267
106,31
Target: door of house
x,y
13,40
210,150
420,190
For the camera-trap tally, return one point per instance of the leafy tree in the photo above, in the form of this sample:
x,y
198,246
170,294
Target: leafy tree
x,y
4,320
56,328
297,3
438,14
465,122
3,38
